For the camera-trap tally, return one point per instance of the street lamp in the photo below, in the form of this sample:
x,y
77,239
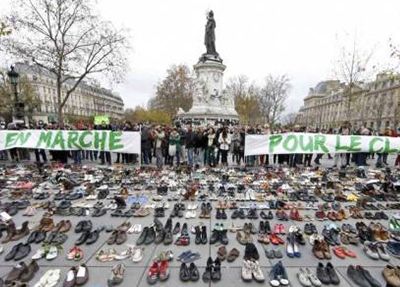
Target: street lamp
x,y
18,106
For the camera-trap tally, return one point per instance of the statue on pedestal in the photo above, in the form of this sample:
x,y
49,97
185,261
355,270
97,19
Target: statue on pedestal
x,y
209,40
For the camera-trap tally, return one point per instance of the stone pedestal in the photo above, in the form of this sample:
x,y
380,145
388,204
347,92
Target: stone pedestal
x,y
210,103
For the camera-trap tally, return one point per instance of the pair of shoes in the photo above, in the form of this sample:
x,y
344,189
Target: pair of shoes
x,y
377,251
310,228
22,273
308,279
18,252
219,236
278,275
49,252
221,214
76,276
212,271
136,228
201,235
190,273
292,249
75,253
88,237
251,252
117,237
83,225
36,236
273,253
361,276
117,275
327,274
49,279
321,250
63,226
147,236
158,271
342,252
252,270
268,216
188,257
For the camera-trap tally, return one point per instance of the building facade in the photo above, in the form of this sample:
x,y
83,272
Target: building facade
x,y
86,101
374,105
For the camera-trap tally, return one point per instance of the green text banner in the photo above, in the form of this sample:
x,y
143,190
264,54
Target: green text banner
x,y
114,141
318,143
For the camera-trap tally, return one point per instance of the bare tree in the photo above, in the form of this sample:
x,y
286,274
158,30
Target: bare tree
x,y
67,39
351,68
4,30
273,96
290,119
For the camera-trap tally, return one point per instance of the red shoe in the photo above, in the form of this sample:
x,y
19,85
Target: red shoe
x,y
339,252
153,273
164,271
292,214
182,241
276,228
349,253
274,239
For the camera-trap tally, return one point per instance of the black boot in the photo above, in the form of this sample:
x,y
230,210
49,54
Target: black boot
x,y
203,235
198,235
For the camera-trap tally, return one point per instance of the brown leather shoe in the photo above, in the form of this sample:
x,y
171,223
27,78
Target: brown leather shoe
x,y
325,250
121,237
16,272
11,230
46,224
66,226
20,233
390,275
317,250
32,268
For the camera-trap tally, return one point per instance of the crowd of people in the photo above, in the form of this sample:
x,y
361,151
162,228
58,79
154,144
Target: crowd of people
x,y
196,146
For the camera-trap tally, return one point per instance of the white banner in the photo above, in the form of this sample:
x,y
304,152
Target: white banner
x,y
101,140
306,143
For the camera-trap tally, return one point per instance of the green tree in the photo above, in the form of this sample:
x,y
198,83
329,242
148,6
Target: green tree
x,y
246,99
27,94
142,115
174,92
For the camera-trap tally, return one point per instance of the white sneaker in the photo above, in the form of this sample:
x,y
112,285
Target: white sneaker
x,y
52,254
39,254
137,254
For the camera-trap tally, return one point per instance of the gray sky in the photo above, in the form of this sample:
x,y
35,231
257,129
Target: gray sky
x,y
300,38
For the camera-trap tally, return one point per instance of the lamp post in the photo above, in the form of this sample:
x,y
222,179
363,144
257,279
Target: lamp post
x,y
18,106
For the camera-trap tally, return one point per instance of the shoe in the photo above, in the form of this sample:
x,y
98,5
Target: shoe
x,y
232,255
16,272
313,278
357,277
208,270
184,274
142,237
303,278
30,272
137,255
257,273
371,250
322,274
117,275
82,275
163,268
371,280
334,278
216,271
70,279
390,273
278,275
194,272
247,275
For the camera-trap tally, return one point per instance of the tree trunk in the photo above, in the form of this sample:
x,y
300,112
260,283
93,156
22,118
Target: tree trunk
x,y
59,102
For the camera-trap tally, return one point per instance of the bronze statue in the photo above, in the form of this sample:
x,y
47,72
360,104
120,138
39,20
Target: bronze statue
x,y
209,39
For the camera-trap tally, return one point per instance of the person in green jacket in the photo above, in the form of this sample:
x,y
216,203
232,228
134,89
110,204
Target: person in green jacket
x,y
174,146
